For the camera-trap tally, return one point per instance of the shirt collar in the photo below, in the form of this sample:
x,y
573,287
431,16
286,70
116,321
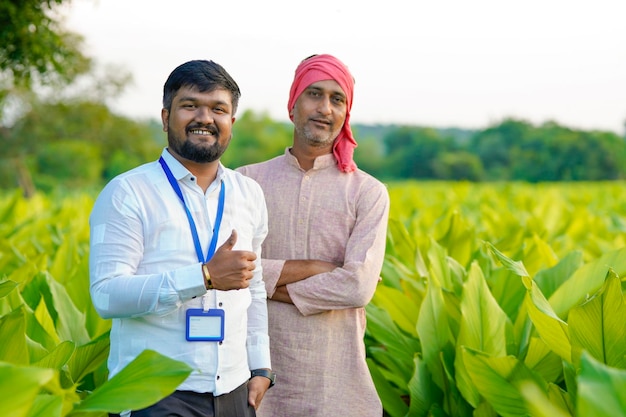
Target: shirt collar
x,y
179,171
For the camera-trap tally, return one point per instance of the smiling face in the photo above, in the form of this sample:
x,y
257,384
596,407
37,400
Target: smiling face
x,y
319,114
199,125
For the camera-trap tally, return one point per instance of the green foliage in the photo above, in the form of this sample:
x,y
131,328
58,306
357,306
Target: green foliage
x,y
34,47
54,345
77,144
501,299
256,138
474,331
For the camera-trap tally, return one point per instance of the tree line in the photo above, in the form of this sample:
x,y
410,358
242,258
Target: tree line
x,y
75,144
58,131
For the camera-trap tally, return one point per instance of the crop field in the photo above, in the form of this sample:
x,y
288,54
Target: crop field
x,y
500,299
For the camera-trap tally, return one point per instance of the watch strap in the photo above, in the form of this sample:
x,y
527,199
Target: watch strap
x,y
266,373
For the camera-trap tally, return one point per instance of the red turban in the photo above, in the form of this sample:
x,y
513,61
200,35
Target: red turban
x,y
327,67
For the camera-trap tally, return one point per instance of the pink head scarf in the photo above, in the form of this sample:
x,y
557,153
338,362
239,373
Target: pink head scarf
x,y
327,67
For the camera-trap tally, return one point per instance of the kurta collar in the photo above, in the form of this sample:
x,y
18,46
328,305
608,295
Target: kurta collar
x,y
321,162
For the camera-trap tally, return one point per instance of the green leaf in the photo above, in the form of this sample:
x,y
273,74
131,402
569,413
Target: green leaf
x,y
47,405
541,360
541,404
497,379
383,329
434,331
69,321
390,396
89,357
552,278
58,357
602,389
400,308
147,379
587,280
599,325
483,328
552,330
423,393
13,336
516,267
19,386
7,287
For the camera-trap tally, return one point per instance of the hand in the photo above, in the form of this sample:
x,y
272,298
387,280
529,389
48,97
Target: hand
x,y
282,294
257,387
231,269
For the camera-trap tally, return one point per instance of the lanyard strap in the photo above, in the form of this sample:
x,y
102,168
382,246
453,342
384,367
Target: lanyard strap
x,y
192,224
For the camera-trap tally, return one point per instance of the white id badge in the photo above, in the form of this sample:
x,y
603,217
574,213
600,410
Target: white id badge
x,y
205,325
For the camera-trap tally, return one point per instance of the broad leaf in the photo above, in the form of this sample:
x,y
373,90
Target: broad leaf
x,y
587,280
147,379
552,330
498,379
483,328
434,331
599,325
19,386
602,389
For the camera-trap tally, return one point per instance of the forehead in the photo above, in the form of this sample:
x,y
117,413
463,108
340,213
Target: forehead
x,y
192,93
329,86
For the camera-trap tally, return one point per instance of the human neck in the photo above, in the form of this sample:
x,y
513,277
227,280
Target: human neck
x,y
306,155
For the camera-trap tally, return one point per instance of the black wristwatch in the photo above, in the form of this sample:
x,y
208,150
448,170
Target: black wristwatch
x,y
266,373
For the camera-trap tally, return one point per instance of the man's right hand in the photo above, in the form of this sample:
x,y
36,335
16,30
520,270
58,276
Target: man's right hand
x,y
231,269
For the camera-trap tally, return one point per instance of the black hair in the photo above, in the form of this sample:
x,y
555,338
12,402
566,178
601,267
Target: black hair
x,y
203,75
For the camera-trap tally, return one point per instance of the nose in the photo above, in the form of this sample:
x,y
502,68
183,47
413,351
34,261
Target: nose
x,y
204,115
324,105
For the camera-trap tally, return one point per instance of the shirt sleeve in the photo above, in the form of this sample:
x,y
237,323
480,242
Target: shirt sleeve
x,y
116,250
353,284
258,343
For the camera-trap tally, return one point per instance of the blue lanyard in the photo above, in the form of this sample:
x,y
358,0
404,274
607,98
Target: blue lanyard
x,y
192,224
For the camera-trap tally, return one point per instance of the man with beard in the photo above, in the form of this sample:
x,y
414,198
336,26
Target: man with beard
x,y
174,258
323,254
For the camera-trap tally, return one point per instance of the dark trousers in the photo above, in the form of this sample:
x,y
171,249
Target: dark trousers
x,y
194,404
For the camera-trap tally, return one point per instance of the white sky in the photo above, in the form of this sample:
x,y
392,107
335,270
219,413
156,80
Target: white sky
x,y
440,63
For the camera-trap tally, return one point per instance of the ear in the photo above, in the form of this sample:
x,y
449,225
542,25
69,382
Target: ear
x,y
165,114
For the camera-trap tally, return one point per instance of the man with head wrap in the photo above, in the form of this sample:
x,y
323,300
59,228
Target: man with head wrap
x,y
323,253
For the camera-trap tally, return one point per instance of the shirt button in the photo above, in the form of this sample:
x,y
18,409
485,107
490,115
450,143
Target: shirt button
x,y
220,304
218,377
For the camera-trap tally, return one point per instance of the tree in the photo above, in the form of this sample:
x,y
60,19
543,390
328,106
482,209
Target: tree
x,y
35,49
256,138
80,143
412,151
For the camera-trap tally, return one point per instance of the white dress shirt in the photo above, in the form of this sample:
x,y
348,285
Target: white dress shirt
x,y
145,273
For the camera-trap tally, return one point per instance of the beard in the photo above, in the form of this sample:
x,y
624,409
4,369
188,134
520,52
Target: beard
x,y
317,140
197,152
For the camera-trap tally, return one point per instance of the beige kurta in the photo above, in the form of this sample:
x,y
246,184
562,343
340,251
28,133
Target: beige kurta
x,y
317,346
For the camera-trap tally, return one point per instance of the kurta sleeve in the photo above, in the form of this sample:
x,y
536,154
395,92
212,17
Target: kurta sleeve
x,y
353,284
271,273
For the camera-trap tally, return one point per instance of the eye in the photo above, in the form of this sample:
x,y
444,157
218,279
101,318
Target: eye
x,y
339,99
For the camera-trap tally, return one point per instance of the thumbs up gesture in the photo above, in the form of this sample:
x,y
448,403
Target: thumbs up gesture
x,y
231,269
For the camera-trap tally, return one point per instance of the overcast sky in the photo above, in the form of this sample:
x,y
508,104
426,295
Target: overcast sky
x,y
435,63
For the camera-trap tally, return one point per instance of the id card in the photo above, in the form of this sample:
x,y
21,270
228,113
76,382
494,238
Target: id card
x,y
205,325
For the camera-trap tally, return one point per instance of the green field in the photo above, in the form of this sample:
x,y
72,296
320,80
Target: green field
x,y
501,299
